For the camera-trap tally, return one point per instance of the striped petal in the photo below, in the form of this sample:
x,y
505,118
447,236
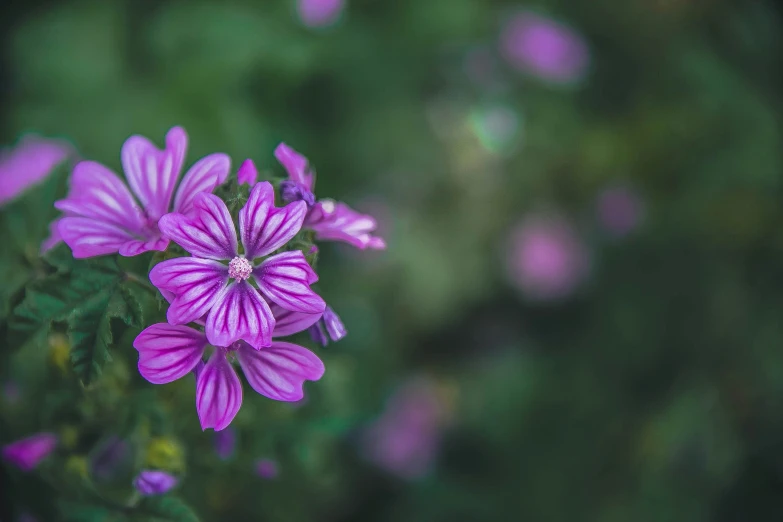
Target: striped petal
x,y
286,278
289,323
89,237
265,228
152,173
240,312
168,352
195,283
218,392
204,176
208,232
97,192
279,371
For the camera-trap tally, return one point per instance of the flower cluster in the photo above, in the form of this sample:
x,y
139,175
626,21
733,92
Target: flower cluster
x,y
245,283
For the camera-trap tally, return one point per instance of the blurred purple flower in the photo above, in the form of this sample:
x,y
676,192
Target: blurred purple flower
x,y
108,457
169,352
319,13
225,443
404,440
547,259
26,517
201,284
266,468
330,324
11,392
544,48
102,216
28,163
620,210
27,453
154,482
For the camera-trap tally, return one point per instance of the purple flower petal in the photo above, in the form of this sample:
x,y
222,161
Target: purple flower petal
x,y
209,232
247,173
206,174
168,352
89,237
296,165
334,324
339,222
289,323
152,173
218,392
286,279
153,482
279,371
136,247
265,228
27,453
98,193
195,282
28,163
240,312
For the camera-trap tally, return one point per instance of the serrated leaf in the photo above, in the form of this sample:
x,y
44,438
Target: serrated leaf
x,y
165,508
87,295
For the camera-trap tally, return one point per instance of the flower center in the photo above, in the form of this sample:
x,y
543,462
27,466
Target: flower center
x,y
239,268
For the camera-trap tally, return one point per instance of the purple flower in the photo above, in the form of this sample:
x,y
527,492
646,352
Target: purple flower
x,y
547,259
202,284
404,440
329,220
266,468
28,163
27,453
101,214
154,482
544,48
330,324
225,443
108,457
319,13
619,210
168,352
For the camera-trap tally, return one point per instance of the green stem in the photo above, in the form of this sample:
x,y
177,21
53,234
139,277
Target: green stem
x,y
141,281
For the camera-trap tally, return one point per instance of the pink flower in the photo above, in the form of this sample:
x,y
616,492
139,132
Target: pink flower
x,y
319,13
169,352
547,259
201,285
544,48
28,163
331,221
404,440
619,210
154,482
103,217
27,453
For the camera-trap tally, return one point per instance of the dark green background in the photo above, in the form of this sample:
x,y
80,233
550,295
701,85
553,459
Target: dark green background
x,y
653,393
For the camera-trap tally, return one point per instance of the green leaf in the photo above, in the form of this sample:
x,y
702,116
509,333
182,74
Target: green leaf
x,y
165,508
87,295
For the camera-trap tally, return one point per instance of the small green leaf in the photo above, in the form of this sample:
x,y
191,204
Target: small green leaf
x,y
165,508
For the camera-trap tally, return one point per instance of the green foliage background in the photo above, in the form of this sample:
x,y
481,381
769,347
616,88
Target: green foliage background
x,y
654,393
